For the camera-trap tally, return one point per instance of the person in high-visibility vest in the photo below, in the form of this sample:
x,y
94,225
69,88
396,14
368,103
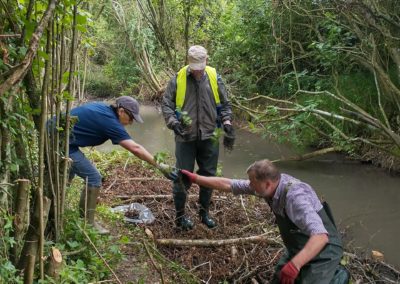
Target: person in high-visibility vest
x,y
194,105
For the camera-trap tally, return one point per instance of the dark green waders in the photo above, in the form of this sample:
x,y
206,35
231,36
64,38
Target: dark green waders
x,y
88,209
322,268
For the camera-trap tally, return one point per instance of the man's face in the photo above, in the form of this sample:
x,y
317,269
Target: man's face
x,y
197,74
125,117
262,188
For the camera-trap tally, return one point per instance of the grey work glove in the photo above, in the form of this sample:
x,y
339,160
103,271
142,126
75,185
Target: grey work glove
x,y
229,137
169,172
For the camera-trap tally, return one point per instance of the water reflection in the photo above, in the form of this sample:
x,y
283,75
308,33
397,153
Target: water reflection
x,y
364,199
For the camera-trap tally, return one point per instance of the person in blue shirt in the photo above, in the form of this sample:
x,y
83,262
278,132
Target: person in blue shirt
x,y
96,123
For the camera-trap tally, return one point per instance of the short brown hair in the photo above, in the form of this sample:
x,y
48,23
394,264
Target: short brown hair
x,y
264,170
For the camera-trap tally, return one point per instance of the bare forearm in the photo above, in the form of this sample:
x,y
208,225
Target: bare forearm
x,y
312,248
139,151
219,183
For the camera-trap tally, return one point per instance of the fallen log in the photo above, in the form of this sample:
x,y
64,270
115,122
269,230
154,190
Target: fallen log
x,y
309,155
214,243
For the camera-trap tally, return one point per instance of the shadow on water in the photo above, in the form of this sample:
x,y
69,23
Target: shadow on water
x,y
365,200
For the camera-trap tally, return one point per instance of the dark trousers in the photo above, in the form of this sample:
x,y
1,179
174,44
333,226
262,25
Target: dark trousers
x,y
205,153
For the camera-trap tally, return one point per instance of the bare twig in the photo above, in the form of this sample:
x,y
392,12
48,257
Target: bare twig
x,y
99,254
159,270
10,35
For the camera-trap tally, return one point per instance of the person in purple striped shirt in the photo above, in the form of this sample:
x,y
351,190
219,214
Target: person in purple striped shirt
x,y
313,244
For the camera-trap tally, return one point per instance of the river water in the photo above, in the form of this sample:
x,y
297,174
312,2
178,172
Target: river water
x,y
364,199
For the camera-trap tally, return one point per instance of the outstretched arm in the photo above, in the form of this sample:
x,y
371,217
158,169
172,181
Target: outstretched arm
x,y
141,152
138,150
219,183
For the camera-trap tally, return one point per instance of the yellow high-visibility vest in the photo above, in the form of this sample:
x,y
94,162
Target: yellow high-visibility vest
x,y
181,85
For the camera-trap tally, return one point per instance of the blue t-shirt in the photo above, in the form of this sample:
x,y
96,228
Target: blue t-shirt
x,y
97,122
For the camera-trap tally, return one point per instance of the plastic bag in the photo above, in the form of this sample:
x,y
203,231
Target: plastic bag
x,y
145,216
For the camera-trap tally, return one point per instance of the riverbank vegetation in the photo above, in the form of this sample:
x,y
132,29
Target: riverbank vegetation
x,y
313,73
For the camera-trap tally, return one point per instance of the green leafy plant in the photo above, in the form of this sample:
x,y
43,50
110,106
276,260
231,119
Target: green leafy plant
x,y
218,133
160,157
185,118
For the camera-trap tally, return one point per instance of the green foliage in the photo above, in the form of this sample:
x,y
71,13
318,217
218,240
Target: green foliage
x,y
217,134
86,266
99,85
8,272
160,157
240,41
185,119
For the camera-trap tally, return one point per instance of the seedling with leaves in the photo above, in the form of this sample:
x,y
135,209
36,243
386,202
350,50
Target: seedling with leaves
x,y
184,117
218,132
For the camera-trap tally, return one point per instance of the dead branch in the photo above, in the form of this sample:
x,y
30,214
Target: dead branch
x,y
10,35
74,252
159,270
127,199
99,254
214,243
145,179
309,155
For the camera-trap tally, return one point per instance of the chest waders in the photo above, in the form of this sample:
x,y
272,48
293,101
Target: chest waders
x,y
321,269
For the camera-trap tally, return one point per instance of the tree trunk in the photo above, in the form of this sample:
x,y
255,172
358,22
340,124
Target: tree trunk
x,y
31,244
30,269
21,215
54,264
18,72
5,153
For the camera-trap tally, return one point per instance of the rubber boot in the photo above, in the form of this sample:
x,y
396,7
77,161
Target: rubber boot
x,y
204,200
181,221
90,208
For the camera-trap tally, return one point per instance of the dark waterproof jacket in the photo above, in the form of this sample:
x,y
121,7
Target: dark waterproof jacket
x,y
199,104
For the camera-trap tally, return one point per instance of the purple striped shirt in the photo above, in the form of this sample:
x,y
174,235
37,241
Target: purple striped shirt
x,y
302,203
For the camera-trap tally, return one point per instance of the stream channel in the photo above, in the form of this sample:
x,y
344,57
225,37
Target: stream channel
x,y
364,199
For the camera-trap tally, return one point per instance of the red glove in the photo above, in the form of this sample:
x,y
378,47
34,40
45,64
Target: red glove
x,y
192,177
288,273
